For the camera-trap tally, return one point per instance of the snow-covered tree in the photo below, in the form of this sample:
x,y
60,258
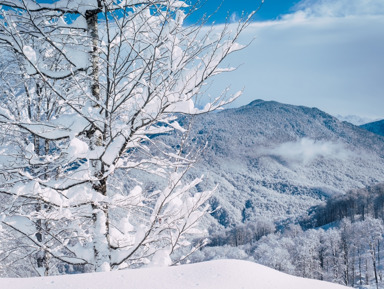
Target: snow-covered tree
x,y
332,256
274,251
86,86
372,237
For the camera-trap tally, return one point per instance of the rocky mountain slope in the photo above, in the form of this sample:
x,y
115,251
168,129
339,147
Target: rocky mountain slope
x,y
276,160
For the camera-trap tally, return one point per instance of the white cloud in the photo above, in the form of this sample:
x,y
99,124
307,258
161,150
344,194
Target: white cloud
x,y
340,8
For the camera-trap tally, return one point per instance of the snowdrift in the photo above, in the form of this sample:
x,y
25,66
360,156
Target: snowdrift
x,y
230,274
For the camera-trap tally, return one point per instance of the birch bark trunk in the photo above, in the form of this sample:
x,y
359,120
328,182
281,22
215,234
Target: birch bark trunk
x,y
101,246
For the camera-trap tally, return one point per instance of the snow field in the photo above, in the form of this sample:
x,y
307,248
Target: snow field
x,y
223,274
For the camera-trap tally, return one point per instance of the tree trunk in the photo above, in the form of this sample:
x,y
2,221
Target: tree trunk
x,y
101,246
373,255
93,31
353,268
360,271
378,261
346,263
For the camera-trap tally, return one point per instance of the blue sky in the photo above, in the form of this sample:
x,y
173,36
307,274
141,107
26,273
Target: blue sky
x,y
271,9
318,53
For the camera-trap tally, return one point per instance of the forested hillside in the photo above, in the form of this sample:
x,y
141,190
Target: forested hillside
x,y
275,160
376,127
341,240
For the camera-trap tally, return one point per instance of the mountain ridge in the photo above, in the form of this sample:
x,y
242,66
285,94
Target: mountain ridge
x,y
282,158
376,127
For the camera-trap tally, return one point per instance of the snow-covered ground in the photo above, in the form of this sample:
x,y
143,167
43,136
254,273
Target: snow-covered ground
x,y
231,274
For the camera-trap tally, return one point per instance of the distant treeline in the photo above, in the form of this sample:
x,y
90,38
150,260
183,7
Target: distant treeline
x,y
357,203
248,233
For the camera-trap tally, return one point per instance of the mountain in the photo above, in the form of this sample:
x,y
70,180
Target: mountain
x,y
225,274
276,160
376,127
354,119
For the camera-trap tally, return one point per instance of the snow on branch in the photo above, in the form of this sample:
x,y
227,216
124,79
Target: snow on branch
x,y
88,88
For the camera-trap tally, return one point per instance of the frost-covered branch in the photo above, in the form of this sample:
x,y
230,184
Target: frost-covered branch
x,y
88,87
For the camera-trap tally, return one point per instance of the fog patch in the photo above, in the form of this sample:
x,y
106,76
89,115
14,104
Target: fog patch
x,y
308,150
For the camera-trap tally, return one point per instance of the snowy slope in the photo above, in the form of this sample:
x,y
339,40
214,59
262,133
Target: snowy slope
x,y
376,127
282,158
223,274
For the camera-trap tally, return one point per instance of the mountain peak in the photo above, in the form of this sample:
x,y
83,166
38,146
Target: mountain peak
x,y
256,102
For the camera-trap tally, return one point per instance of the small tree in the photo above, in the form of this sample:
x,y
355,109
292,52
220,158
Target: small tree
x,y
86,87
